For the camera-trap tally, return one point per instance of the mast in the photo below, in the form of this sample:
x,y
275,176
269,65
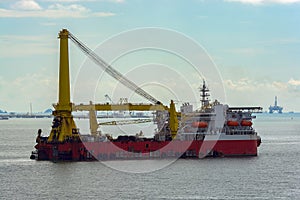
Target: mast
x,y
204,96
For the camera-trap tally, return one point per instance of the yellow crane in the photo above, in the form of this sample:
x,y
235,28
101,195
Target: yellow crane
x,y
64,126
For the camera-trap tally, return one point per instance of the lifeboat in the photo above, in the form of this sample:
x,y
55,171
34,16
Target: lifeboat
x,y
232,123
246,123
199,124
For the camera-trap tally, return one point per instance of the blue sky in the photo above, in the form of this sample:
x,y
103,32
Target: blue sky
x,y
254,43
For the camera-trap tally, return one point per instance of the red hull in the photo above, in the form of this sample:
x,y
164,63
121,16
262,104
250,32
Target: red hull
x,y
76,151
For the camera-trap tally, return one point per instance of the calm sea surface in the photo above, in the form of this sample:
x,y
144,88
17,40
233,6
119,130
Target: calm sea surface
x,y
274,174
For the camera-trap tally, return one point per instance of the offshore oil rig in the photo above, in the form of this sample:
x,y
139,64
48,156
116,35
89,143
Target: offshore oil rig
x,y
275,108
215,130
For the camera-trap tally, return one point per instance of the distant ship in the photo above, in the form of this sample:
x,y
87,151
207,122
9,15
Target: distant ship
x,y
4,118
275,108
3,115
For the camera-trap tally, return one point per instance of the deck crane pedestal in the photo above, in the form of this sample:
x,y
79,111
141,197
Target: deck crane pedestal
x,y
63,124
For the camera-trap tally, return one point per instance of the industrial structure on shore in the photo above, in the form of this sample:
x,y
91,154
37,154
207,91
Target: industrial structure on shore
x,y
275,108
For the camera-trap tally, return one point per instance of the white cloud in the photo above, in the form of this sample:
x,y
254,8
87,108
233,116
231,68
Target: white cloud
x,y
246,1
17,91
103,14
243,84
72,7
294,82
294,86
117,1
66,1
72,1
257,2
246,84
279,85
34,45
250,92
55,11
26,5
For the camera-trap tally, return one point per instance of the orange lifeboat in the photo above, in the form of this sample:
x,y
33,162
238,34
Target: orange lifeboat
x,y
246,123
232,123
199,124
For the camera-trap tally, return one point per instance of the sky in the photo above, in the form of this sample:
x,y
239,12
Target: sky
x,y
253,44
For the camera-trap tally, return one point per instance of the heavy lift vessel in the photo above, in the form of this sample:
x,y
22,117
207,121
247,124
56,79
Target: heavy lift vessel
x,y
214,130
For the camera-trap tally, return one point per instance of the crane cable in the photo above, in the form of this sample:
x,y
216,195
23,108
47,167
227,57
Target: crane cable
x,y
111,71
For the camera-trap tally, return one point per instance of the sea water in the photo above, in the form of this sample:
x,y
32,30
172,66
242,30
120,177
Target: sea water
x,y
273,174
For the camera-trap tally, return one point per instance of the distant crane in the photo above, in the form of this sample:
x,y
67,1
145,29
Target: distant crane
x,y
108,99
275,108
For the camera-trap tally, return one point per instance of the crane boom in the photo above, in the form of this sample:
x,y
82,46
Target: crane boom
x,y
111,71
